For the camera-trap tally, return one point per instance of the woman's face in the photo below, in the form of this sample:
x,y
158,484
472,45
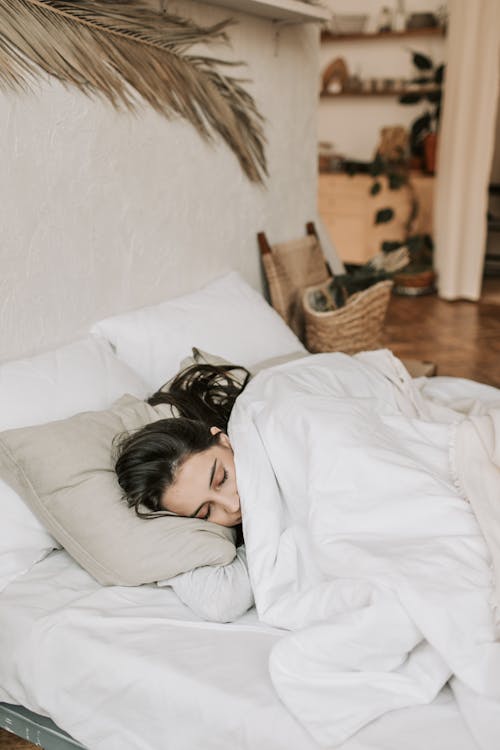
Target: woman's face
x,y
205,486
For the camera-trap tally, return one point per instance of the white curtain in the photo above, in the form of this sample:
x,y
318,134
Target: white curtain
x,y
466,144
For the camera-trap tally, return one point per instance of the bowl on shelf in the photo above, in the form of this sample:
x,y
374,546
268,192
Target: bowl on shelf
x,y
421,21
348,23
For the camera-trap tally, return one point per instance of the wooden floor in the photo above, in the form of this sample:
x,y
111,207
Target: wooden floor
x,y
9,742
462,338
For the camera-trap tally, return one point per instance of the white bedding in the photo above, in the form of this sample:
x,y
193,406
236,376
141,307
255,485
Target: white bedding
x,y
134,669
359,542
366,575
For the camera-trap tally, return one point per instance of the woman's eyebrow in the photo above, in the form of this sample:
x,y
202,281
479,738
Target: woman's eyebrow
x,y
212,474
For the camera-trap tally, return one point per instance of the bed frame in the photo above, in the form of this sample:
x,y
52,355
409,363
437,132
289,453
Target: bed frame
x,y
35,728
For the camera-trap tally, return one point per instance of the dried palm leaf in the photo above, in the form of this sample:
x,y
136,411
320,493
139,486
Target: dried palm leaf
x,y
121,49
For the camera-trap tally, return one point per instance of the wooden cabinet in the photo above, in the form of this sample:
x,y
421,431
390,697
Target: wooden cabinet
x,y
348,211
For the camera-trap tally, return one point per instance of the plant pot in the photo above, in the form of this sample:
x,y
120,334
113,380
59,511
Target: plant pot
x,y
416,163
430,152
414,283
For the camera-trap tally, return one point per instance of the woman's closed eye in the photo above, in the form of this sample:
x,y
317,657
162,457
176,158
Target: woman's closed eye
x,y
204,512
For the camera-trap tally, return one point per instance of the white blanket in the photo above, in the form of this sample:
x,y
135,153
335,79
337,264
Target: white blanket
x,y
360,543
477,459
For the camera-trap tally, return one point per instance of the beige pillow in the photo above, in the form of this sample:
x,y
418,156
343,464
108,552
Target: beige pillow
x,y
64,472
199,357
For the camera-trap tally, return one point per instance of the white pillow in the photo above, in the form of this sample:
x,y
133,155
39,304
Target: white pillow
x,y
23,539
226,316
81,376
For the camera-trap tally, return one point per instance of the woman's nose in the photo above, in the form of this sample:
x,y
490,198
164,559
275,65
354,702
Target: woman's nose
x,y
230,502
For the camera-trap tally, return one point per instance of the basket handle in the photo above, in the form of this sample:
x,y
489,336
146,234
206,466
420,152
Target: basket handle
x,y
311,230
264,246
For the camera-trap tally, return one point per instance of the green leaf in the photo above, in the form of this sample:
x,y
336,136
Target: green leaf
x,y
412,97
421,124
439,74
434,97
428,242
415,244
384,215
419,129
375,188
396,181
422,62
377,166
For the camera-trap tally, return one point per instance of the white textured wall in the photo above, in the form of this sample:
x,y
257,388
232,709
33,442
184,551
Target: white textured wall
x,y
103,212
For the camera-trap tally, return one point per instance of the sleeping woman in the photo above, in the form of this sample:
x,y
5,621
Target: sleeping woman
x,y
184,466
363,507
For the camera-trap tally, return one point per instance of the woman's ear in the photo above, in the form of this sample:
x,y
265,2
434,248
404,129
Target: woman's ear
x,y
223,438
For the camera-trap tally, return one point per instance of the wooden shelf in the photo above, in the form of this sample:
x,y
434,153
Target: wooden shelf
x,y
329,36
385,92
289,11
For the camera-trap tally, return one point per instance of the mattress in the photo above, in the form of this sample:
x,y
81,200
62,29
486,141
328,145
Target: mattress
x,y
133,668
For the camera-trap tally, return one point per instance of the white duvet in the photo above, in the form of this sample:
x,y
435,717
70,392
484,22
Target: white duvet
x,y
359,543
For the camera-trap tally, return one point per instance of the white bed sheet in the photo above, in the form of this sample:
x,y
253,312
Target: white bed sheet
x,y
133,669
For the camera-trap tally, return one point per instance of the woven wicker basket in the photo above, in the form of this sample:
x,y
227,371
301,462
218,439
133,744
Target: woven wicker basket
x,y
353,328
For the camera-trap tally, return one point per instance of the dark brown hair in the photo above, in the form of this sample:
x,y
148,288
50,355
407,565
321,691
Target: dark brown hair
x,y
148,459
205,392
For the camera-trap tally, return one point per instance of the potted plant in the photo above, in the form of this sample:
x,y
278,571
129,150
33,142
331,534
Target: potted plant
x,y
417,276
423,132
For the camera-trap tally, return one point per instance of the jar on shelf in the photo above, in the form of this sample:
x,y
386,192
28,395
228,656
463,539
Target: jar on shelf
x,y
399,21
384,19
